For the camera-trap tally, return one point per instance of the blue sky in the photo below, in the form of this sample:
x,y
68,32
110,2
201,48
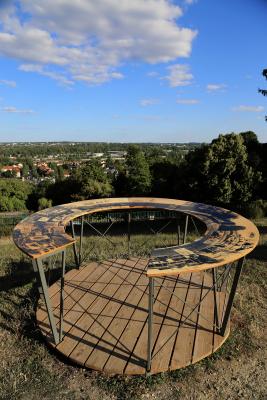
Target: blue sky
x,y
131,71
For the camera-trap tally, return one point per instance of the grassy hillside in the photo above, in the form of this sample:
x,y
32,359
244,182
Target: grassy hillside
x,y
28,370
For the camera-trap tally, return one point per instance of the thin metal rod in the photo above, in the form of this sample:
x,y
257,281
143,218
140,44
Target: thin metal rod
x,y
188,316
74,245
129,234
178,233
38,265
193,308
232,295
214,281
49,269
226,291
185,229
150,322
100,233
81,241
61,320
195,226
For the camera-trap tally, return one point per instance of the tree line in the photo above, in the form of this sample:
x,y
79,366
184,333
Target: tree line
x,y
231,171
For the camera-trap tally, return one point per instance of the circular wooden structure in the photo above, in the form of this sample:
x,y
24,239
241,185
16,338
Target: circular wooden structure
x,y
137,315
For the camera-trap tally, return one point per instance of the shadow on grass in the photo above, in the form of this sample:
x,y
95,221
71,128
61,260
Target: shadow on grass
x,y
262,229
260,253
19,273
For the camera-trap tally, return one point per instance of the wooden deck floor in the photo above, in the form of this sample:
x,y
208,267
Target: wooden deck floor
x,y
105,318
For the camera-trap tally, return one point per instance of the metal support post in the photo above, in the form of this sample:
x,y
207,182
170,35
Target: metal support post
x,y
129,234
214,283
74,245
62,282
178,233
81,241
150,322
38,266
231,296
40,289
185,229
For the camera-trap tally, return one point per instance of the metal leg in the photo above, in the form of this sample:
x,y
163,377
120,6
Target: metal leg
x,y
150,322
178,233
214,282
38,266
81,241
61,320
40,289
129,234
185,229
231,296
49,270
74,245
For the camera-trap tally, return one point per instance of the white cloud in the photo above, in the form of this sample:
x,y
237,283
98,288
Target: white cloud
x,y
215,87
8,83
189,2
187,101
243,108
148,102
61,78
89,40
15,110
179,75
152,74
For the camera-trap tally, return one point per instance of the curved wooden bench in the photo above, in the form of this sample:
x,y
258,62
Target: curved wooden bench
x,y
228,236
190,305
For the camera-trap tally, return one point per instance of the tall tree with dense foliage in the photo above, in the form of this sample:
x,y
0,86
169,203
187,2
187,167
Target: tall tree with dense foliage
x,y
138,174
229,177
92,180
14,194
222,173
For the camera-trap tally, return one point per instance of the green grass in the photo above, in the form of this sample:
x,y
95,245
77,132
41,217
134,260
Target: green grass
x,y
28,370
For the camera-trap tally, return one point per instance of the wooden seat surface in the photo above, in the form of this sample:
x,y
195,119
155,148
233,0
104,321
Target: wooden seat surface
x,y
228,236
106,321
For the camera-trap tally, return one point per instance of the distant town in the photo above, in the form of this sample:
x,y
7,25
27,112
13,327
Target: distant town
x,y
46,161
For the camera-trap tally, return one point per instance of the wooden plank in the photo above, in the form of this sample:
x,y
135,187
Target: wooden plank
x,y
134,314
94,306
204,334
185,339
161,306
104,311
130,335
73,295
54,290
109,339
74,319
69,290
166,339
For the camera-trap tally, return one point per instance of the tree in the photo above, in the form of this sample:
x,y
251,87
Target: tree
x,y
25,170
14,194
138,174
59,173
165,175
229,177
221,172
43,203
264,91
92,181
